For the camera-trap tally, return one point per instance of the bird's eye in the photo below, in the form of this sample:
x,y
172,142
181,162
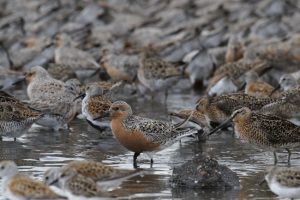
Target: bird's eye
x,y
62,175
46,178
117,108
2,167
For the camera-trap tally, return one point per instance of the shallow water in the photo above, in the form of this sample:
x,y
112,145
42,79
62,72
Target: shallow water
x,y
41,149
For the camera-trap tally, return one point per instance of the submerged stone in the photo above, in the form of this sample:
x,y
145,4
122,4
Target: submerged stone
x,y
203,172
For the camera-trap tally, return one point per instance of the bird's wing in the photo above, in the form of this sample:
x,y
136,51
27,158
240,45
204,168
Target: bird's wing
x,y
160,69
83,186
16,112
154,130
98,105
24,186
289,178
277,130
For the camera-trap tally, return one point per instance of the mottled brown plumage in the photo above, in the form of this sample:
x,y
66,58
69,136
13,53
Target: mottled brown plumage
x,y
18,186
264,130
218,109
156,74
15,117
94,105
256,87
232,73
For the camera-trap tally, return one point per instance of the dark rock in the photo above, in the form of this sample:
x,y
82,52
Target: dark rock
x,y
203,172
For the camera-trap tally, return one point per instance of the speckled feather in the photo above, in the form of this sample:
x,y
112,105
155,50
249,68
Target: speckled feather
x,y
98,105
21,185
154,130
266,130
155,68
82,186
289,177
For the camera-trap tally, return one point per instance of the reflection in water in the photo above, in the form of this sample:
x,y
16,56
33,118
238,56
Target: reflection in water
x,y
40,149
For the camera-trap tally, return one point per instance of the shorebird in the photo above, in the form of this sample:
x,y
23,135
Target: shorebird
x,y
106,86
53,97
287,82
120,67
264,130
197,117
287,106
59,108
256,87
284,181
77,186
106,177
226,79
235,50
60,71
16,117
82,63
218,109
140,134
198,121
94,105
56,112
156,74
41,85
18,186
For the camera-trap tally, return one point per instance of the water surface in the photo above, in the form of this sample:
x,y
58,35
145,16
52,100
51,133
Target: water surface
x,y
41,149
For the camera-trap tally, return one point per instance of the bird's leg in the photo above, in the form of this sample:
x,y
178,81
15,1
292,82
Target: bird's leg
x,y
136,154
151,159
275,158
166,96
289,156
15,139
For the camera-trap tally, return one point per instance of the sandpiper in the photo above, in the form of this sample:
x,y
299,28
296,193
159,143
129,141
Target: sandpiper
x,y
60,71
197,119
218,109
264,130
287,82
107,87
81,62
59,108
226,79
140,134
94,105
284,181
77,186
256,87
16,117
18,186
106,177
120,67
53,97
156,74
57,113
287,106
41,85
235,50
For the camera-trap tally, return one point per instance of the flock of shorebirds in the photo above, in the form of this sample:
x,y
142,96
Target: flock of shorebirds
x,y
258,112
251,84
